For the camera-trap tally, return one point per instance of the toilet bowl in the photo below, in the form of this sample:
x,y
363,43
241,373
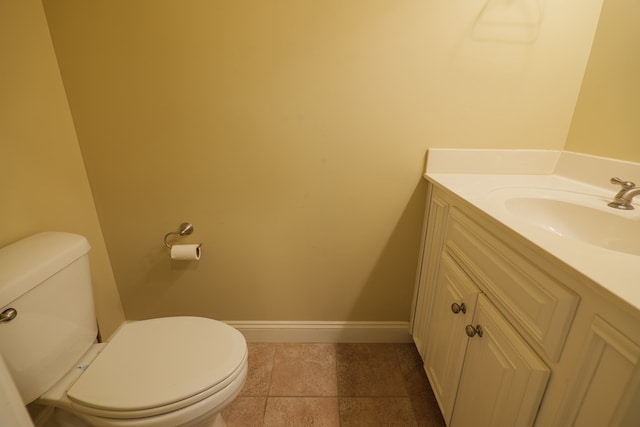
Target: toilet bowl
x,y
165,372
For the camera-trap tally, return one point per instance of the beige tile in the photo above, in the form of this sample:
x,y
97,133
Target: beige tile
x,y
384,384
245,412
376,411
304,370
369,370
427,411
408,356
301,411
261,356
412,370
423,401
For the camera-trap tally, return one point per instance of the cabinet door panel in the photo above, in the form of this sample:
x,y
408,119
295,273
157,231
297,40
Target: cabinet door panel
x,y
446,338
428,275
503,379
606,391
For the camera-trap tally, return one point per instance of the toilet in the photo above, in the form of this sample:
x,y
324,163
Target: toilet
x,y
165,372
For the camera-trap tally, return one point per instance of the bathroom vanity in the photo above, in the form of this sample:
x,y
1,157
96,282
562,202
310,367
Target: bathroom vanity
x,y
527,304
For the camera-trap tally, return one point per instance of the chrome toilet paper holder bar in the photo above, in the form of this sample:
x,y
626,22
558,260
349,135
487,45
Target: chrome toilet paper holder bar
x,y
185,229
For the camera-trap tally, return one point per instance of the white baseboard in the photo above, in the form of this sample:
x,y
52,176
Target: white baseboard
x,y
325,332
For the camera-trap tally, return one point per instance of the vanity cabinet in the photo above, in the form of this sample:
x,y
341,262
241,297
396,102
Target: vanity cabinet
x,y
509,335
472,347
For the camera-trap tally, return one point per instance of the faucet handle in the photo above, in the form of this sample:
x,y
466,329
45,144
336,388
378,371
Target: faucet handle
x,y
625,184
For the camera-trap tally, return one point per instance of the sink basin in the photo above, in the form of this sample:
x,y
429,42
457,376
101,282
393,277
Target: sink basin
x,y
582,217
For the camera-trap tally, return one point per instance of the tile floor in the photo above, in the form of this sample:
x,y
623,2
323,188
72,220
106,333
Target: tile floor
x,y
367,385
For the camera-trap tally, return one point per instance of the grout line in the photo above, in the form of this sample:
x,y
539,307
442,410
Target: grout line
x,y
273,365
278,347
264,409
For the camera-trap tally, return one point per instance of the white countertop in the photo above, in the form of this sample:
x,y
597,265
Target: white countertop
x,y
484,177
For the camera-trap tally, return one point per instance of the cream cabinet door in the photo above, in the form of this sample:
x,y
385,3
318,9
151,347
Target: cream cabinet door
x,y
446,339
607,390
503,379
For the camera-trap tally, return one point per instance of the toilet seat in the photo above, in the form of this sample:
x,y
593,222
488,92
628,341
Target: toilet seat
x,y
129,379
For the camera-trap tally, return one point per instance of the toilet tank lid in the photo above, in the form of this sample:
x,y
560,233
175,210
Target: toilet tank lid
x,y
28,262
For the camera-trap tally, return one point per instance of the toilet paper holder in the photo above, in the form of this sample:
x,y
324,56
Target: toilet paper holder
x,y
184,230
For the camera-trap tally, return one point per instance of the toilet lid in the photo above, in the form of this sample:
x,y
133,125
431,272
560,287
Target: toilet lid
x,y
157,362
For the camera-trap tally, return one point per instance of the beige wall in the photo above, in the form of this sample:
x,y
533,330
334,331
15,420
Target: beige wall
x,y
292,134
607,115
42,177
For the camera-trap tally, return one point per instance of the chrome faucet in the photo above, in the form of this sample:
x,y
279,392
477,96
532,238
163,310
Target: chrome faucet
x,y
622,200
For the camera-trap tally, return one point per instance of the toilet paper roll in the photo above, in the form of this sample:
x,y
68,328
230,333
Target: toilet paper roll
x,y
185,252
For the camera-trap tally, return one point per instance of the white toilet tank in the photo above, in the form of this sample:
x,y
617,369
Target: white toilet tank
x,y
46,279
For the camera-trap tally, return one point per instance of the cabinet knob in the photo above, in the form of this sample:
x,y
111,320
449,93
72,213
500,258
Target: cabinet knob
x,y
473,330
457,308
8,315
